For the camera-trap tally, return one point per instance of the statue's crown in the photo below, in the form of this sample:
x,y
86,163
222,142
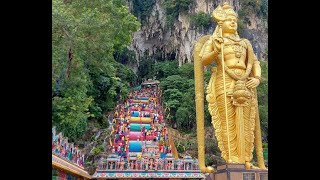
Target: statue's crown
x,y
221,12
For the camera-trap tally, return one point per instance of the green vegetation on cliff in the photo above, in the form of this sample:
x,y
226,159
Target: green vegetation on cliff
x,y
174,7
201,21
263,99
249,8
86,79
142,9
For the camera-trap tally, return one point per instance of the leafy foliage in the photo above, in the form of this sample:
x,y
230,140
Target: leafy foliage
x,y
263,99
98,150
241,27
248,7
201,20
264,8
178,93
145,69
174,7
86,79
125,56
142,9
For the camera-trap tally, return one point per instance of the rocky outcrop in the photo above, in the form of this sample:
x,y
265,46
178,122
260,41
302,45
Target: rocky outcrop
x,y
155,39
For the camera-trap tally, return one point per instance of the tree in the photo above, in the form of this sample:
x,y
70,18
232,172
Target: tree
x,y
85,77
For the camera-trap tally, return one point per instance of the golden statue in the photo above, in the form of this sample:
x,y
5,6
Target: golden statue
x,y
231,92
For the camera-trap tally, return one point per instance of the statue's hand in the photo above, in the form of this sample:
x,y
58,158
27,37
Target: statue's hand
x,y
252,83
217,43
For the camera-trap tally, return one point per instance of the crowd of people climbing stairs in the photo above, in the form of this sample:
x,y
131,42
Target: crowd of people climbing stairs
x,y
151,109
140,138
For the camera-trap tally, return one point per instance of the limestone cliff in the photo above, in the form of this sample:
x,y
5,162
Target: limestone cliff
x,y
155,39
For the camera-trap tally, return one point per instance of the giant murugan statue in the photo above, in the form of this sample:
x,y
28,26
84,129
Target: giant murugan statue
x,y
231,92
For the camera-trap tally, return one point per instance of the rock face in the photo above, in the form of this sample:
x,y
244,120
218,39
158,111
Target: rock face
x,y
155,39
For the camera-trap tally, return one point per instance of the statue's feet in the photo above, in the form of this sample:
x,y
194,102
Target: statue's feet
x,y
248,165
232,162
251,166
208,169
262,166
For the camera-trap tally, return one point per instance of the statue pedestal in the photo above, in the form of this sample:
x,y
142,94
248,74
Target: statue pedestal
x,y
238,172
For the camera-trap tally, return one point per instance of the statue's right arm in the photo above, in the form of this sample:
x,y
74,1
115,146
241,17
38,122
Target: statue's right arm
x,y
208,54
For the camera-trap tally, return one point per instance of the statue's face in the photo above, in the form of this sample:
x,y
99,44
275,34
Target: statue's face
x,y
230,24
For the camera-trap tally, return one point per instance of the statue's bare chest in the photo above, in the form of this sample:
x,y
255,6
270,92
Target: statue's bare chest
x,y
236,48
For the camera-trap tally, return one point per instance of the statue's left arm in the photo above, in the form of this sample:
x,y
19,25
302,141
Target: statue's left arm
x,y
255,78
256,69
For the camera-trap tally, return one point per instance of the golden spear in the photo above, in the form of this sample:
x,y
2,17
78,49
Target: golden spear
x,y
225,93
